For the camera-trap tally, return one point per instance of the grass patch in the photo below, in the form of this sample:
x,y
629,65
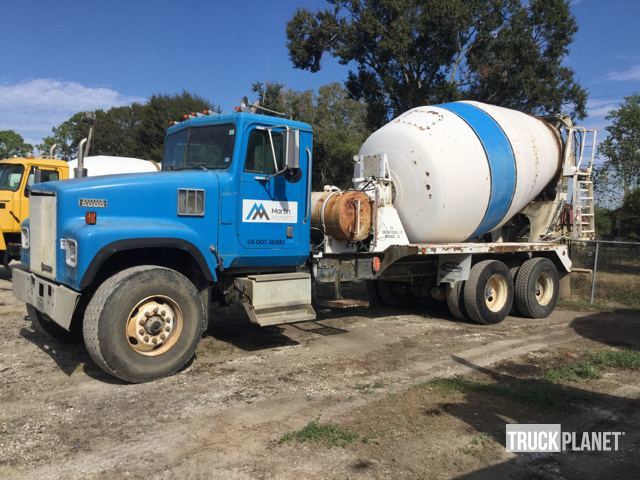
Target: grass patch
x,y
581,305
368,387
536,393
478,442
628,359
546,391
575,372
590,365
328,434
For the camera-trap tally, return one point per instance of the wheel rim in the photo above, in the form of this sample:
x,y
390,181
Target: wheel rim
x,y
495,293
544,289
154,325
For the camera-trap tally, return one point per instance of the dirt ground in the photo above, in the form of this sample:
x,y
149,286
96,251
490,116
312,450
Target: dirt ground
x,y
365,370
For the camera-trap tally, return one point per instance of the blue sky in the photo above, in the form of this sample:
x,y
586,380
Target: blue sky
x,y
60,57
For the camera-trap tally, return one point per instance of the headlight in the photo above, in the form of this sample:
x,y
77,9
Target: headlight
x,y
70,247
24,237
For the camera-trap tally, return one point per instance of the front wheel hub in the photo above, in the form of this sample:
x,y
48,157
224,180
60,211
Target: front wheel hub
x,y
154,325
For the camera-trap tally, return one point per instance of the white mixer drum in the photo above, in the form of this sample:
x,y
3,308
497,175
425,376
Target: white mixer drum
x,y
463,169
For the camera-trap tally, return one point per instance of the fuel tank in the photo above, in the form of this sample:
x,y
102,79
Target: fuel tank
x,y
342,215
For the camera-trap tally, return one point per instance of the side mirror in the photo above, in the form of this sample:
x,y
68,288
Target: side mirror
x,y
27,191
292,149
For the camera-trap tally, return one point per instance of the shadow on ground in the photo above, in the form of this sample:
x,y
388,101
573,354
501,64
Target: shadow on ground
x,y
619,328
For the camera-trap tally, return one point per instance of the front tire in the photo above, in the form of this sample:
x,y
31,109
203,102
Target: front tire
x,y
144,323
488,293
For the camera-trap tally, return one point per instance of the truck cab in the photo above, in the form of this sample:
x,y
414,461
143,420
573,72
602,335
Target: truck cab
x,y
17,176
232,202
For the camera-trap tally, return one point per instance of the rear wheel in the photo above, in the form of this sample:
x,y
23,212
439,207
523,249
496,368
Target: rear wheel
x,y
46,325
514,306
396,294
455,300
536,288
391,294
372,292
144,323
488,292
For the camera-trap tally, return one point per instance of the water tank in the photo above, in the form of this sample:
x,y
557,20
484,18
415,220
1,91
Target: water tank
x,y
463,169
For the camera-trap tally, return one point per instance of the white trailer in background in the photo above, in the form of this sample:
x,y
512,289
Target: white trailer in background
x,y
108,165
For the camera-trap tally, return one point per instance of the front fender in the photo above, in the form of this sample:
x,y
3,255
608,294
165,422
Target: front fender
x,y
96,243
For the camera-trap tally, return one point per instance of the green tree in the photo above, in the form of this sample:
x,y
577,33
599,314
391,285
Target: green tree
x,y
604,222
407,53
629,216
621,148
154,117
135,130
66,136
12,143
339,125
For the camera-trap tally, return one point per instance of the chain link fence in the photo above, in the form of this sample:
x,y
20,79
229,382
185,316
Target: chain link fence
x,y
606,272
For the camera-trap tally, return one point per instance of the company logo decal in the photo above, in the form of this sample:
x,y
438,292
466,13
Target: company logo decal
x,y
257,211
267,211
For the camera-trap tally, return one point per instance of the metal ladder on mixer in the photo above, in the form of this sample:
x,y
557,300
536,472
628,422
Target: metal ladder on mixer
x,y
580,152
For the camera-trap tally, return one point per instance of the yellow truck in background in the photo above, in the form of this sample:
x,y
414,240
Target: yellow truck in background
x,y
17,174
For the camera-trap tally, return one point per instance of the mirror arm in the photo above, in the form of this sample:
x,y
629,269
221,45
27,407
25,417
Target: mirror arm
x,y
273,151
266,178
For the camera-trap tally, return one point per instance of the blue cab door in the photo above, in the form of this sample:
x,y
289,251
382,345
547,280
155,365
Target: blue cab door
x,y
271,227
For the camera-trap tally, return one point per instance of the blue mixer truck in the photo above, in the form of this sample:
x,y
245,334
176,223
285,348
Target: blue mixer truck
x,y
133,263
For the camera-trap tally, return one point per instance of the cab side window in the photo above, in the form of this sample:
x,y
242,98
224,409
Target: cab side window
x,y
45,176
259,153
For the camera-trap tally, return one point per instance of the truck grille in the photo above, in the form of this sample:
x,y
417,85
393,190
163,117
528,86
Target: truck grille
x,y
42,226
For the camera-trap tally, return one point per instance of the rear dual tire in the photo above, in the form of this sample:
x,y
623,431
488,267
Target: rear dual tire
x,y
485,297
537,285
488,292
492,291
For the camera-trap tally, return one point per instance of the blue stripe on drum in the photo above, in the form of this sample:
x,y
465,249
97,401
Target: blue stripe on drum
x,y
502,162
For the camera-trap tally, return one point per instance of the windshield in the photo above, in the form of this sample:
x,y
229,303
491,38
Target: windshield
x,y
10,176
199,147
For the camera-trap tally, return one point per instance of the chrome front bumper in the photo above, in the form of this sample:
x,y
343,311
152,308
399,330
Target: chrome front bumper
x,y
56,301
